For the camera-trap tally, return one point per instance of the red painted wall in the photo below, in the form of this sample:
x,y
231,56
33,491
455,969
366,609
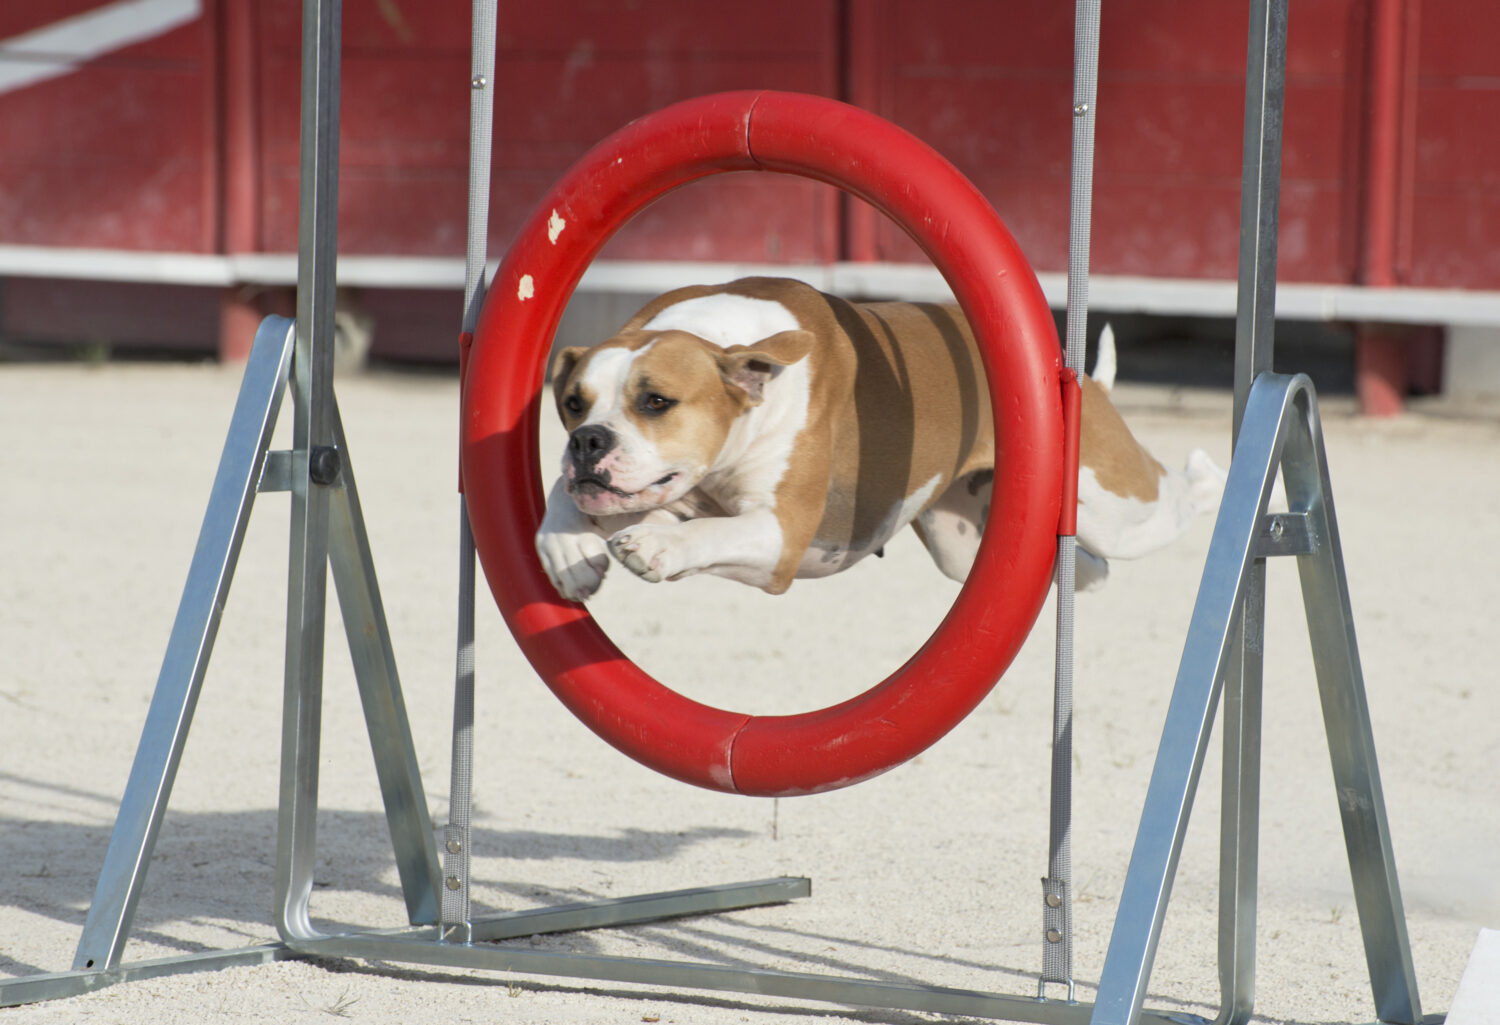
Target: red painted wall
x,y
567,75
188,141
1450,223
118,154
1169,130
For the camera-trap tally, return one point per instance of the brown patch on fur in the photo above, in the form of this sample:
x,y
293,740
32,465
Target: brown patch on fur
x,y
1107,447
570,362
860,453
684,369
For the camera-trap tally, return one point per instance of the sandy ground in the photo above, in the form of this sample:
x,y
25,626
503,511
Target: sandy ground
x,y
927,873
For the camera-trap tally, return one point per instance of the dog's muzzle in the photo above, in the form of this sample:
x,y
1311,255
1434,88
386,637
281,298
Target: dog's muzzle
x,y
589,444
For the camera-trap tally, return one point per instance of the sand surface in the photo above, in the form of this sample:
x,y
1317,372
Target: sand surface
x,y
928,873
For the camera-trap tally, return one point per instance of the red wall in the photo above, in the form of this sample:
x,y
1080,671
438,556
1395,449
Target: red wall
x,y
1451,221
118,154
1169,130
567,75
188,141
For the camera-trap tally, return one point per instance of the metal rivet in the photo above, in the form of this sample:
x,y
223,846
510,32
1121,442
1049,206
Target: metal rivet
x,y
1053,900
1080,109
454,847
478,82
453,882
1277,529
1053,936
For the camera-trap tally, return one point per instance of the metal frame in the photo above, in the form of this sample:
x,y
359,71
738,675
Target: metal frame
x,y
1281,433
1277,430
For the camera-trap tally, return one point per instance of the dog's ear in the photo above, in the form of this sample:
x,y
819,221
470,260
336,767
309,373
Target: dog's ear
x,y
562,367
749,367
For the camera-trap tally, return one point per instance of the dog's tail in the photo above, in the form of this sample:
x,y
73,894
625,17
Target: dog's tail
x,y
1104,360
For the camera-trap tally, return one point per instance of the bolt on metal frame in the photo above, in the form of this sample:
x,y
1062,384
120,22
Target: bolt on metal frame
x,y
1277,430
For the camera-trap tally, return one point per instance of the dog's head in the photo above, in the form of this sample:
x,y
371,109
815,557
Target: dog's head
x,y
648,412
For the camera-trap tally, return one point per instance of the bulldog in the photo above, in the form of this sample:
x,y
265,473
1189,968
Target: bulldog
x,y
764,431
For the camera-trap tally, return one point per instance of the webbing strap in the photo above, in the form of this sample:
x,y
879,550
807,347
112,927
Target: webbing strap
x,y
455,902
456,835
1057,898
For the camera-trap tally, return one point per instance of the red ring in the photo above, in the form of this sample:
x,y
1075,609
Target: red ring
x,y
884,165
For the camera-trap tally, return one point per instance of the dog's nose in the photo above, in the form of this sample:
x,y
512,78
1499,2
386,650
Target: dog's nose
x,y
589,443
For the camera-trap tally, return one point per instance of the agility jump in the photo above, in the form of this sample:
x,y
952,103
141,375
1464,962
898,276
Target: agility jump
x,y
1278,431
871,158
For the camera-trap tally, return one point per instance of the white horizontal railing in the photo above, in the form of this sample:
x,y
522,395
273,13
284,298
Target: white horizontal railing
x,y
1112,293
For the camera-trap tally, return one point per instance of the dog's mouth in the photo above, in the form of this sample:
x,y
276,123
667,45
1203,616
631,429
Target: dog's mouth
x,y
596,486
592,485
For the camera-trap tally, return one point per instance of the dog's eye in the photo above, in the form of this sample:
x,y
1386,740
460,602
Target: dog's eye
x,y
573,404
655,403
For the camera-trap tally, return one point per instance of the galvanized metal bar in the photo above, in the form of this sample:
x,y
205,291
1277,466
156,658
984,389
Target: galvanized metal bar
x,y
1239,813
615,912
648,907
34,989
1255,326
561,918
277,473
312,370
380,693
1260,198
1351,741
697,975
189,646
1207,654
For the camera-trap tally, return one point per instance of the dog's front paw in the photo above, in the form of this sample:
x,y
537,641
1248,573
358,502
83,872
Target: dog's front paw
x,y
648,550
575,562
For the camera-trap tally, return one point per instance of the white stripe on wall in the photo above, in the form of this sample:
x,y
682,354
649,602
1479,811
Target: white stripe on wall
x,y
57,49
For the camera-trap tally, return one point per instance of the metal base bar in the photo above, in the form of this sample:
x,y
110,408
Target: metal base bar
x,y
700,975
32,989
648,907
532,922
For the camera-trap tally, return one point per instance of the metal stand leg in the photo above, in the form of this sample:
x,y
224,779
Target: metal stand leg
x,y
1351,741
193,631
380,694
315,466
1281,429
1240,824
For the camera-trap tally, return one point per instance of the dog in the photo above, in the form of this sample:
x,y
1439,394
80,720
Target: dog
x,y
763,431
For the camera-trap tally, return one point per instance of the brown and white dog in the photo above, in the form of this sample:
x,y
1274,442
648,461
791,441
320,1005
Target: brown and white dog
x,y
763,430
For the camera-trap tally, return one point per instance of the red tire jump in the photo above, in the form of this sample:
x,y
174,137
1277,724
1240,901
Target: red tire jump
x,y
771,755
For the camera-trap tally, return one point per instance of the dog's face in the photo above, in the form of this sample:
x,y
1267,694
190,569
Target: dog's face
x,y
647,413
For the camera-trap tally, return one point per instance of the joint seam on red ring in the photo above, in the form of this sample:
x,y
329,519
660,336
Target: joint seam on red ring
x,y
734,739
749,135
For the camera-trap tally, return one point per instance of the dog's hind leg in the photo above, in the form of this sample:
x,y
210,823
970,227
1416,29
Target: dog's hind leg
x,y
952,525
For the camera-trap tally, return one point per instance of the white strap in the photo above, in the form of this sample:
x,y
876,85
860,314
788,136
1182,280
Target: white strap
x,y
456,835
1057,898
